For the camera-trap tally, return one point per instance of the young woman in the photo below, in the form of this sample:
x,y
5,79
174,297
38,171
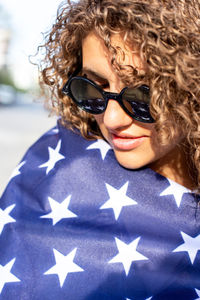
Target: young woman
x,y
122,212
131,44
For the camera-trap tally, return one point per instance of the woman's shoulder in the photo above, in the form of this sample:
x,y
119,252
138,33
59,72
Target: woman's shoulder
x,y
62,144
62,155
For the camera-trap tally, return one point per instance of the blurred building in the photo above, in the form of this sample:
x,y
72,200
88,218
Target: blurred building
x,y
5,39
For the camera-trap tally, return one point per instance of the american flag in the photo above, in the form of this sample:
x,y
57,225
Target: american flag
x,y
74,225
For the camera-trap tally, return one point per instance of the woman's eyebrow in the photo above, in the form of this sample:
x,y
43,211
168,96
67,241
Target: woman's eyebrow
x,y
93,74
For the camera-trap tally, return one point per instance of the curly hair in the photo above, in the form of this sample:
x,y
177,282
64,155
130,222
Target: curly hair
x,y
166,36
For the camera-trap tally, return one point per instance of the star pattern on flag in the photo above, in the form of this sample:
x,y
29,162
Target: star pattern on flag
x,y
64,265
198,293
190,245
54,157
93,242
6,275
100,144
16,171
5,218
176,190
127,254
118,199
144,299
59,211
54,131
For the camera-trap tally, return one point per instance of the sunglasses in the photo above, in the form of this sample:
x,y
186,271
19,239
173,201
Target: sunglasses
x,y
90,97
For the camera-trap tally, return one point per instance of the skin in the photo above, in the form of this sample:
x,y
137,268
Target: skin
x,y
134,143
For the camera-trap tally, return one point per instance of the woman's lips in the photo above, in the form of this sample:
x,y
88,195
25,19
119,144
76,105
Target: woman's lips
x,y
126,142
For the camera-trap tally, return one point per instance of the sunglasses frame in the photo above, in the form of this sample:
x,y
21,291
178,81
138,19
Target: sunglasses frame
x,y
106,96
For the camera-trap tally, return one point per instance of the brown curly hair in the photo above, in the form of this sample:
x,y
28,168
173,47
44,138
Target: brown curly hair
x,y
166,34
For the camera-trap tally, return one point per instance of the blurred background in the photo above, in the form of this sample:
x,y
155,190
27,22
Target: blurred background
x,y
23,117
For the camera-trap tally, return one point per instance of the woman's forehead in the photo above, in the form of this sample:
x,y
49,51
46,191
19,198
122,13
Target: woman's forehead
x,y
96,55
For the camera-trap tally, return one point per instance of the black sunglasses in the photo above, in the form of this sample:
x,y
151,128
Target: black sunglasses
x,y
92,99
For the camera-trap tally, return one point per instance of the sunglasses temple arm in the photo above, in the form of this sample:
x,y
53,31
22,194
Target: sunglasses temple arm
x,y
65,87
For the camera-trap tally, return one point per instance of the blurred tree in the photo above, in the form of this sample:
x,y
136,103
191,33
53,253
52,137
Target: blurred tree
x,y
5,77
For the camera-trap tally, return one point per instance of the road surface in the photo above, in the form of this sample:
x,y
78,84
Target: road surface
x,y
20,126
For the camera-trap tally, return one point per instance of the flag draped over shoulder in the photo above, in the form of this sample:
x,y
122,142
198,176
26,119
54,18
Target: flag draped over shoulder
x,y
75,225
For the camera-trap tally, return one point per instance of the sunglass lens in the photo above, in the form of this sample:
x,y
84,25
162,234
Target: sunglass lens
x,y
87,96
136,101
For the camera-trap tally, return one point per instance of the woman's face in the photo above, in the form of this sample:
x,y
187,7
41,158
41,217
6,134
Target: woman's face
x,y
134,143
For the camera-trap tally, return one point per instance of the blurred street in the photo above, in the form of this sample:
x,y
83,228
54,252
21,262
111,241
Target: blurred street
x,y
21,124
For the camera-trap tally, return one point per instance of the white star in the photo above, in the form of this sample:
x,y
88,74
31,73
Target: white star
x,y
16,171
118,199
5,218
59,210
6,275
54,157
191,245
127,254
146,299
198,293
103,146
175,189
64,265
54,131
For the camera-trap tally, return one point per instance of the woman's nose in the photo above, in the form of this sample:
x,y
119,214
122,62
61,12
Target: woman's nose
x,y
115,117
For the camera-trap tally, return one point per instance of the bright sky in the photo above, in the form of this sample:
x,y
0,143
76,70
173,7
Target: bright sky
x,y
28,19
